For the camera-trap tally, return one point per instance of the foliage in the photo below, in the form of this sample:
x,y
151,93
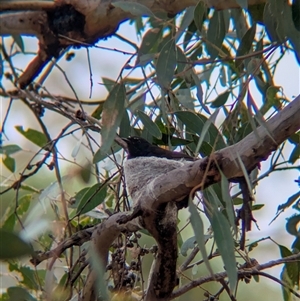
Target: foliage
x,y
188,85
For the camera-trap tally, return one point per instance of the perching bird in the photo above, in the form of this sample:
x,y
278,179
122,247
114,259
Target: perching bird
x,y
140,147
146,162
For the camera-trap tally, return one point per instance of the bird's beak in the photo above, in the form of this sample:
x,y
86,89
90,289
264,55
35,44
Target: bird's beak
x,y
126,142
125,139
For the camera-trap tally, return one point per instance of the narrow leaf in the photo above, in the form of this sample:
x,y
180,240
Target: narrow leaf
x,y
228,202
246,43
113,110
93,197
151,127
198,228
166,64
12,246
10,149
10,163
34,136
205,129
220,100
19,41
199,14
192,121
215,34
225,243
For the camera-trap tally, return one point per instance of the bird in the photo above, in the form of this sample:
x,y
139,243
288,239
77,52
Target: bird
x,y
140,147
146,161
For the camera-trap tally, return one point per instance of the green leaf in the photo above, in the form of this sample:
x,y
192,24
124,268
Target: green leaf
x,y
292,268
19,41
9,163
100,155
125,128
151,126
227,200
17,293
286,291
181,61
10,149
93,197
225,243
215,34
149,45
189,244
199,14
166,64
134,8
205,129
109,84
257,207
12,246
32,135
220,100
274,20
246,44
28,275
185,22
198,228
113,110
192,121
237,201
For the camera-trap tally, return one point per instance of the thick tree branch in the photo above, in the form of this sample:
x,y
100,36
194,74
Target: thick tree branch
x,y
60,24
251,150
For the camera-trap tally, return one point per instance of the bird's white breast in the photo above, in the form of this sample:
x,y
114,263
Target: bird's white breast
x,y
139,172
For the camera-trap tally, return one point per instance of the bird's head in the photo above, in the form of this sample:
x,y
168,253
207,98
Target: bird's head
x,y
137,146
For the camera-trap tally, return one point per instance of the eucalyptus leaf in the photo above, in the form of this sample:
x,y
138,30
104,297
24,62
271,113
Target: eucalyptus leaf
x,y
215,34
93,197
10,149
9,163
12,246
225,243
112,114
198,228
166,64
34,136
150,125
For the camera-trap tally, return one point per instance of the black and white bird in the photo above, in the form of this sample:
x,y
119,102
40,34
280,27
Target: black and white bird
x,y
145,162
140,147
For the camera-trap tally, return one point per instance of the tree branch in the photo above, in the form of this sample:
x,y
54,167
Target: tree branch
x,y
242,273
251,150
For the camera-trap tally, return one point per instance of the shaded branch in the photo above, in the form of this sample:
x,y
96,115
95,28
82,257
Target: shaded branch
x,y
242,273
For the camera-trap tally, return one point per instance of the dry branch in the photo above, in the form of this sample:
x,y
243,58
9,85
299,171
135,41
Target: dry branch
x,y
64,23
